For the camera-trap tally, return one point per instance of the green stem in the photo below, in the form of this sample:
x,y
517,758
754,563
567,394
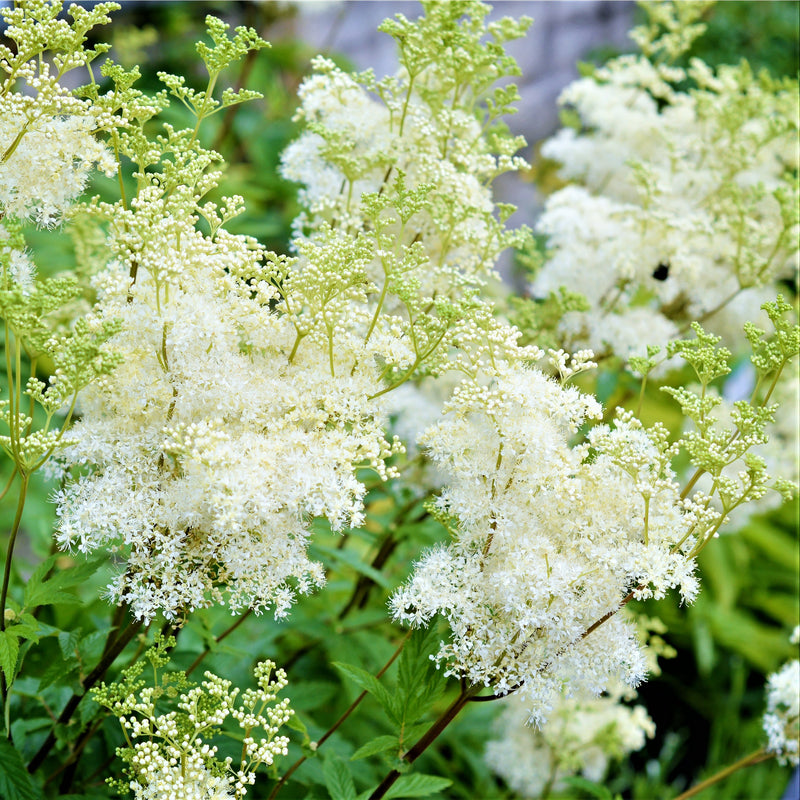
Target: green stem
x,y
10,482
13,146
754,758
379,307
299,338
641,396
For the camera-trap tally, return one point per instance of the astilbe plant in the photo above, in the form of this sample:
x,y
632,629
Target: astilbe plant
x,y
231,399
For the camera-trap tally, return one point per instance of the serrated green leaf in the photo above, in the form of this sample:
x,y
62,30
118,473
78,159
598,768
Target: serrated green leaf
x,y
9,648
39,592
370,684
338,780
296,724
417,786
91,646
24,630
15,782
378,745
68,642
37,576
418,680
58,672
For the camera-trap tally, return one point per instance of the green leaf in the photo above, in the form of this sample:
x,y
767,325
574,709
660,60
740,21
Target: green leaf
x,y
40,592
310,694
338,780
744,634
59,672
68,642
351,559
372,685
78,797
91,646
296,724
25,630
15,782
591,788
378,745
418,680
417,786
778,545
9,648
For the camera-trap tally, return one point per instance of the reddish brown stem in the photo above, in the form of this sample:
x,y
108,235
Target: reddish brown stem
x,y
352,707
227,632
109,656
430,736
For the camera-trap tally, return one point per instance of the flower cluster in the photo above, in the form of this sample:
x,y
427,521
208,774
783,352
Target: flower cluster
x,y
555,527
48,143
404,167
681,204
210,449
547,538
782,719
252,385
173,758
583,735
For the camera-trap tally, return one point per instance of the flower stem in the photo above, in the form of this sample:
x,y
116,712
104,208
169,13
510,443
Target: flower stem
x,y
227,632
23,491
447,716
352,707
754,758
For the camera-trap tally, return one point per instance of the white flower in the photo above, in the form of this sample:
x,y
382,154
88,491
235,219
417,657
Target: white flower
x,y
191,781
583,735
682,206
547,539
782,719
50,165
210,450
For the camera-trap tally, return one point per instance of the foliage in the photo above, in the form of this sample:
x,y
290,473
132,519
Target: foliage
x,y
221,399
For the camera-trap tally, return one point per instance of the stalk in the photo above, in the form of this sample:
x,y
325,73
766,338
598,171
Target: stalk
x,y
227,632
754,758
350,709
109,656
23,491
447,716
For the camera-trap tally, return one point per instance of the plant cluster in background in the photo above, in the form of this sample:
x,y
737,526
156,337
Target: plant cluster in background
x,y
349,419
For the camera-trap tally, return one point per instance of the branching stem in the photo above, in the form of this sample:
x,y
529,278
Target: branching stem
x,y
350,709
